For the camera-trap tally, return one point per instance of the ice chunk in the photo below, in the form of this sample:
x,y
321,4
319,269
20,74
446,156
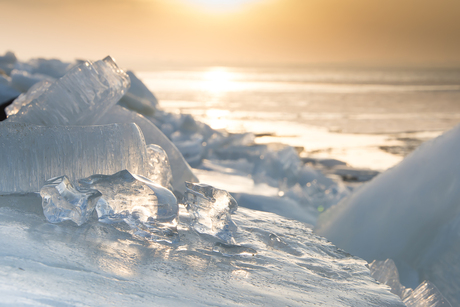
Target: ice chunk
x,y
23,80
160,170
61,201
125,192
426,295
81,97
24,99
139,98
180,169
210,210
148,208
31,154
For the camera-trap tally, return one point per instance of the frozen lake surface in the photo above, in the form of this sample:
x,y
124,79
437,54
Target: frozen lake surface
x,y
290,145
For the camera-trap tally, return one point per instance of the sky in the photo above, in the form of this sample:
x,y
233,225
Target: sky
x,y
142,33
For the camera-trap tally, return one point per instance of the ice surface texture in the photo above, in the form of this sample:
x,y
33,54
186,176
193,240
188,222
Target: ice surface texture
x,y
61,201
30,154
80,97
99,265
210,210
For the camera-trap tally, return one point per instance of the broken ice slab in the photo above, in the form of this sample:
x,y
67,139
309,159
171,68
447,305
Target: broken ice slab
x,y
61,201
426,295
80,97
31,154
159,168
126,193
139,98
24,99
181,171
210,210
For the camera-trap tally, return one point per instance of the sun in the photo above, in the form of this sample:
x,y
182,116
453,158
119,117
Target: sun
x,y
221,5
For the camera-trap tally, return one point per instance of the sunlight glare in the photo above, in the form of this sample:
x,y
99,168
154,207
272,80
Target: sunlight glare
x,y
217,80
221,5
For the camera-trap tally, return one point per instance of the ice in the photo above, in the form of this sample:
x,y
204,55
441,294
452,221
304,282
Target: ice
x,y
426,295
124,192
139,98
7,62
30,154
150,210
80,97
25,98
23,80
190,145
181,171
98,264
160,170
386,272
210,210
61,201
53,67
402,213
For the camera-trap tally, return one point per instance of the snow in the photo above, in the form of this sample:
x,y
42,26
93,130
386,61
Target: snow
x,y
402,213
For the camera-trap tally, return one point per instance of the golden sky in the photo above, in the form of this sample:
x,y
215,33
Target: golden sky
x,y
141,33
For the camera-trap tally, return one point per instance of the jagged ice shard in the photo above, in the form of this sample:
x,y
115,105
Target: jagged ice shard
x,y
29,154
80,97
124,192
210,210
61,201
150,210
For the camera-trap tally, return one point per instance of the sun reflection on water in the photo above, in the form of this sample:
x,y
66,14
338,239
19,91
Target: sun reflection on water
x,y
217,80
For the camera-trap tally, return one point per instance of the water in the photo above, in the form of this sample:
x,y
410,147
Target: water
x,y
367,117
